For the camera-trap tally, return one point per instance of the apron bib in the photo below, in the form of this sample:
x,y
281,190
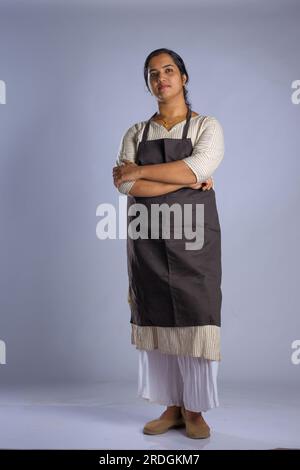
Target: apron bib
x,y
170,286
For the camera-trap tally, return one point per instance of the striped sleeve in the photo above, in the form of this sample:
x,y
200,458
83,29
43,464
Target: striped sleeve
x,y
208,149
127,151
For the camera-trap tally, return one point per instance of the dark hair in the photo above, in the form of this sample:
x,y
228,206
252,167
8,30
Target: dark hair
x,y
178,61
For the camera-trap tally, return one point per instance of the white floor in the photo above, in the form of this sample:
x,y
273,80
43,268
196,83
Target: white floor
x,y
111,416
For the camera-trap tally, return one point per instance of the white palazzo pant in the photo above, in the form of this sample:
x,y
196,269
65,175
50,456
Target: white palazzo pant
x,y
170,379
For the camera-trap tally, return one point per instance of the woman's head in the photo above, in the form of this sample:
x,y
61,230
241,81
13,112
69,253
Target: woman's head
x,y
165,67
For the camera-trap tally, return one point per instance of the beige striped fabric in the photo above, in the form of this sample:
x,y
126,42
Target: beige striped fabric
x,y
197,341
205,132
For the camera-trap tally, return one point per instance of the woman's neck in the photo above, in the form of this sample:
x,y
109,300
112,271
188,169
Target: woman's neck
x,y
169,122
170,112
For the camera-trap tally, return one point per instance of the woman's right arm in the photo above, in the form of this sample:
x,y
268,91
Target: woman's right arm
x,y
142,187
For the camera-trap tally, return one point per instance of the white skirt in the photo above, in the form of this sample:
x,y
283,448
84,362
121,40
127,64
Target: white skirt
x,y
170,379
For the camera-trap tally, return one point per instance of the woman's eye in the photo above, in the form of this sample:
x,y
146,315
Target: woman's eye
x,y
153,75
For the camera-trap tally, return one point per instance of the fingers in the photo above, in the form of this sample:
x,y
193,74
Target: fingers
x,y
117,182
208,184
117,176
128,162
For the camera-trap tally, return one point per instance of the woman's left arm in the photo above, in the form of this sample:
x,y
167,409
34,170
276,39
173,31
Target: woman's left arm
x,y
207,154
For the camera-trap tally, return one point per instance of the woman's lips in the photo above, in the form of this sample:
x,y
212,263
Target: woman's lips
x,y
163,87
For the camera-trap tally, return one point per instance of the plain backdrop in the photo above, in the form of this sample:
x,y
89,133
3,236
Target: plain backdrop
x,y
73,72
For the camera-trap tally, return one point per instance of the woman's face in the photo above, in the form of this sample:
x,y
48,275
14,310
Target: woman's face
x,y
164,78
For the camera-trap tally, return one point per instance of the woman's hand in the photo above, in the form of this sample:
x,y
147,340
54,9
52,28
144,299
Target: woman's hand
x,y
125,172
207,184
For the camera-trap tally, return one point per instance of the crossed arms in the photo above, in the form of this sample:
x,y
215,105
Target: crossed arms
x,y
194,171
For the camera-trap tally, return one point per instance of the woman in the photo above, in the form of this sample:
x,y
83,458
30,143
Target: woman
x,y
174,292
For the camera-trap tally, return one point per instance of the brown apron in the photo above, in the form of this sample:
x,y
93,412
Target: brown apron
x,y
170,286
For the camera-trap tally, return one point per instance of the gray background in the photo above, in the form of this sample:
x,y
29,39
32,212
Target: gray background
x,y
74,78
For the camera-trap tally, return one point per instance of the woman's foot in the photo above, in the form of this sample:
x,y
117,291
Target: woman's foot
x,y
194,416
195,424
170,418
172,412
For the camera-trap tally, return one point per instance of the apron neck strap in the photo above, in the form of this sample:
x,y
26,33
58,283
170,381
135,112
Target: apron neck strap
x,y
185,129
146,129
186,126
